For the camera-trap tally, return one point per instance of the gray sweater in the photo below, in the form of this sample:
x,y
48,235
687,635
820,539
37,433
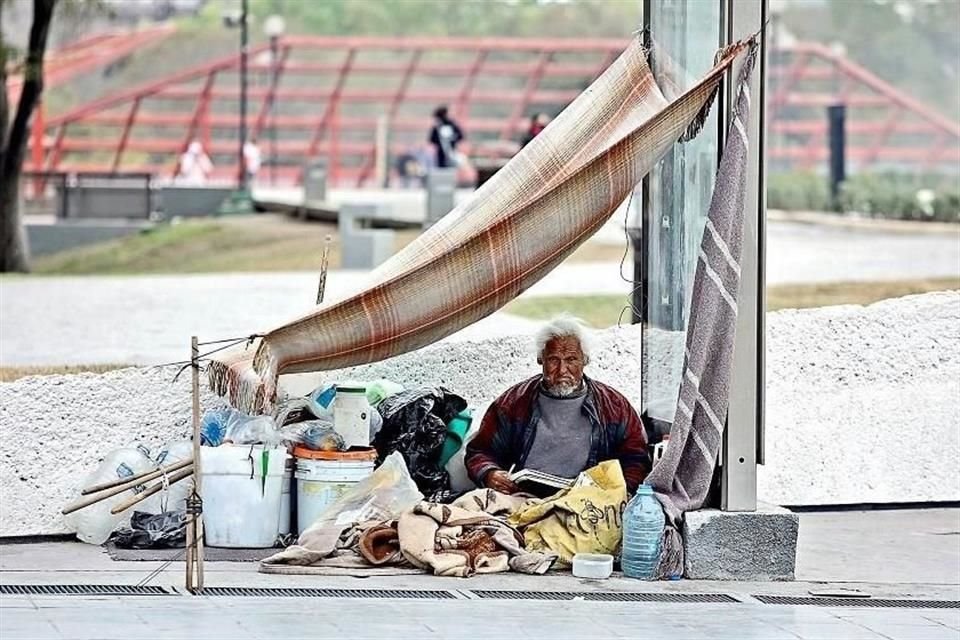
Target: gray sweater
x,y
562,442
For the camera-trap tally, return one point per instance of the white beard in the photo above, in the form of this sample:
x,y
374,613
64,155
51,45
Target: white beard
x,y
563,390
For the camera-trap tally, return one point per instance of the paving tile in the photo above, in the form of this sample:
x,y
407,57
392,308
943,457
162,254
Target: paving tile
x,y
26,623
915,632
31,631
831,631
16,602
949,619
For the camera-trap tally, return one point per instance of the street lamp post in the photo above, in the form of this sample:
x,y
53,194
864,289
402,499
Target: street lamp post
x,y
273,27
244,38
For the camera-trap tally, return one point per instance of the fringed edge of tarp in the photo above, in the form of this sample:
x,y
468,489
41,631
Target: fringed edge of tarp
x,y
698,122
247,378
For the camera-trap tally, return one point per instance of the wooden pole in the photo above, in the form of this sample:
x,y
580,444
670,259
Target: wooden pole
x,y
109,492
194,577
140,478
129,502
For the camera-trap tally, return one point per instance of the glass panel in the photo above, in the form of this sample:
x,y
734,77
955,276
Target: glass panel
x,y
685,37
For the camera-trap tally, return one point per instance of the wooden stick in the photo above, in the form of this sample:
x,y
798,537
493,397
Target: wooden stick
x,y
152,489
198,558
191,529
107,493
322,286
195,528
140,478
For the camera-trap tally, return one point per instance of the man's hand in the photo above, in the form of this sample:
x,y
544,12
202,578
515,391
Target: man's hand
x,y
499,480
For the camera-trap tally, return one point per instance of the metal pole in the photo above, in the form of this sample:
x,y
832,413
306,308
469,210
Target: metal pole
x,y
244,39
274,53
836,118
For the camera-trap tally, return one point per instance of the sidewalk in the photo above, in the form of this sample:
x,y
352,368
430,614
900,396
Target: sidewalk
x,y
909,554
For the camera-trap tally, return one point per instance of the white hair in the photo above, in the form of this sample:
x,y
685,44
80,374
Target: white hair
x,y
564,326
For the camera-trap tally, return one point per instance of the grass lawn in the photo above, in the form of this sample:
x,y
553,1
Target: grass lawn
x,y
604,310
245,243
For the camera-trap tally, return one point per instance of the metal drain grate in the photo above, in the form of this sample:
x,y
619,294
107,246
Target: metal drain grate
x,y
327,593
860,602
606,596
82,590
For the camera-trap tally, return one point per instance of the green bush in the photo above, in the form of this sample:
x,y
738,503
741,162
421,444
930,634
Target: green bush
x,y
797,192
878,195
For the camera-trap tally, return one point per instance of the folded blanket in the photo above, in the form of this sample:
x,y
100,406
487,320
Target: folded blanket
x,y
467,537
460,539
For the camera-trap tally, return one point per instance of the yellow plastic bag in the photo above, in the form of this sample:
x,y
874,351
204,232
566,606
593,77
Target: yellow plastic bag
x,y
586,518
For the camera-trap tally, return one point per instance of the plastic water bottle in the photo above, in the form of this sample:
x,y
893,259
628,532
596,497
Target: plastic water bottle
x,y
642,528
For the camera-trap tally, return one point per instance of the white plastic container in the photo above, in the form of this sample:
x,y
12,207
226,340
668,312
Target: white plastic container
x,y
95,523
593,566
241,503
351,415
324,476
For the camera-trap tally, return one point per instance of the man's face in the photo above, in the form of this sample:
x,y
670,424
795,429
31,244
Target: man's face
x,y
563,363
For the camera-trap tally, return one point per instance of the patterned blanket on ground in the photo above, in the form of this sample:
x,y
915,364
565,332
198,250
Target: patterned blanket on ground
x,y
460,539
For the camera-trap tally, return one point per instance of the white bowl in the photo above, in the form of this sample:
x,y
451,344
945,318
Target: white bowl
x,y
593,566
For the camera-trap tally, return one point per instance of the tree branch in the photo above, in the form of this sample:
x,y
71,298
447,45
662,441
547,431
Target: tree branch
x,y
32,85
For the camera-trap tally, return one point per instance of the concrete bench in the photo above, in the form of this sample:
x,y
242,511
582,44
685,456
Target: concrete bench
x,y
104,201
193,201
441,189
45,239
362,247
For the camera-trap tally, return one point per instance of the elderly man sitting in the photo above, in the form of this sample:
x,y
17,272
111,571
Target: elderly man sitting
x,y
559,422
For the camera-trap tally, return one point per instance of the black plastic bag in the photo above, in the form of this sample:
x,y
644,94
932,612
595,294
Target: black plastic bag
x,y
415,424
153,531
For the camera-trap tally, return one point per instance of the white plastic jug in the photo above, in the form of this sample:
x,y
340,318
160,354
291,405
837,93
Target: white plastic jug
x,y
95,523
351,415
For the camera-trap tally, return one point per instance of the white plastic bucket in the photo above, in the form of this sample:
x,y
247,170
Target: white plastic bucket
x,y
241,503
320,482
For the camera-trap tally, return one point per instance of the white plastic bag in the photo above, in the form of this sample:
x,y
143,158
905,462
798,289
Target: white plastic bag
x,y
321,401
383,495
95,523
174,497
252,430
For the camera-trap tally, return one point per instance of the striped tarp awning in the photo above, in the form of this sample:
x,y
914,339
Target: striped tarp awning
x,y
533,213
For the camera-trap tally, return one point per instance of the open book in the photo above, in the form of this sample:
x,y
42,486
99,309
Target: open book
x,y
533,476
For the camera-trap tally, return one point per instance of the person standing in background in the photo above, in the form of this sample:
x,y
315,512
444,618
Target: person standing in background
x,y
538,122
252,159
444,136
195,165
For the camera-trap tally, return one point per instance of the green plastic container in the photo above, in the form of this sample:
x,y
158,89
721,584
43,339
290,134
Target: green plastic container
x,y
456,431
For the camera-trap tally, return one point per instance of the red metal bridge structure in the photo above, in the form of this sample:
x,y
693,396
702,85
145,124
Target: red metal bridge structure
x,y
323,97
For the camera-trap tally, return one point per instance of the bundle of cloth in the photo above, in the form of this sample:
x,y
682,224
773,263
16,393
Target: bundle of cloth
x,y
469,536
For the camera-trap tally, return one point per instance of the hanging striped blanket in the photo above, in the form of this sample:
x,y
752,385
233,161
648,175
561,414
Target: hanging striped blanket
x,y
682,477
533,213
